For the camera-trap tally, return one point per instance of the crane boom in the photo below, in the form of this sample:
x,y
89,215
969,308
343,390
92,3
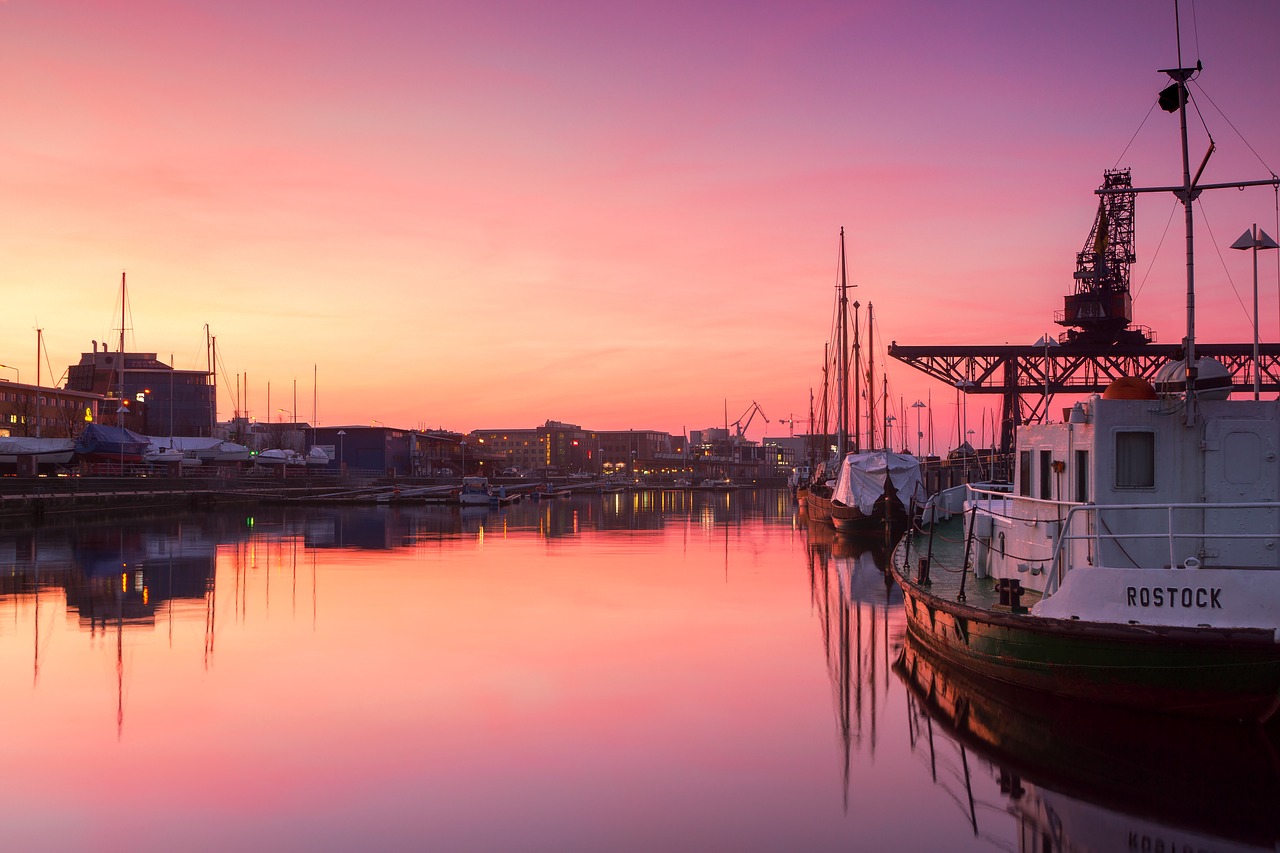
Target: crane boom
x,y
749,415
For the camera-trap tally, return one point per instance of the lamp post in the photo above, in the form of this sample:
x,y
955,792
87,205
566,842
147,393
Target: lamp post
x,y
1254,239
962,406
293,423
1046,340
918,405
462,445
342,457
17,376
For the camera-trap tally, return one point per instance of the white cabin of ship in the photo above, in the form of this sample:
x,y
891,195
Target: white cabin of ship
x,y
1128,454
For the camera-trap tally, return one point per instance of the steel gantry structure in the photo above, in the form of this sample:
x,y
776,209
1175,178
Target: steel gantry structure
x,y
1027,377
1101,343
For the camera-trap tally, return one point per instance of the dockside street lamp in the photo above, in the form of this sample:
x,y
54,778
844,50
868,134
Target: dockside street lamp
x,y
293,425
918,405
1046,340
1255,238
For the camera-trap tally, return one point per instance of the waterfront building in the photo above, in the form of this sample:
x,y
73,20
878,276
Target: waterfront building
x,y
378,449
33,410
145,394
638,450
554,446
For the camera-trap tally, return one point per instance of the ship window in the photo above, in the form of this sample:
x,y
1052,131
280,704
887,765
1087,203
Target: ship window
x,y
1135,460
1024,473
1046,458
1082,476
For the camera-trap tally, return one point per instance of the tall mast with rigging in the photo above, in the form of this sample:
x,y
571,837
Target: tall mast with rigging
x,y
842,356
120,403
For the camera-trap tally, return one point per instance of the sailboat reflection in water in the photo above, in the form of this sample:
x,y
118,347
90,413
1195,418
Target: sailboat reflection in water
x,y
860,612
1078,776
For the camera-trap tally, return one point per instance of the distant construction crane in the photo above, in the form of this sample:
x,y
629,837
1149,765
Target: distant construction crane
x,y
792,421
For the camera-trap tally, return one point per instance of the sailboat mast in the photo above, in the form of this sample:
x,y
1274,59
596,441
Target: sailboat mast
x,y
871,377
857,383
842,356
120,403
826,409
888,414
213,402
39,343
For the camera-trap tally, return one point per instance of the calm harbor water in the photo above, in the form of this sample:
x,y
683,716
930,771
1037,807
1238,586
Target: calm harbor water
x,y
662,671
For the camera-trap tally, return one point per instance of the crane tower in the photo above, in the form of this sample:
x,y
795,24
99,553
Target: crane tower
x,y
1099,309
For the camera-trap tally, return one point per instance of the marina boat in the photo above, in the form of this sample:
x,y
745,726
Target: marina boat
x,y
713,484
475,491
100,443
204,450
875,490
45,451
1135,562
817,496
160,455
317,458
277,458
226,452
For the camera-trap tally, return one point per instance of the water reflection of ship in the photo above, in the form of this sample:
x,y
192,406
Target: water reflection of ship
x,y
1080,777
860,617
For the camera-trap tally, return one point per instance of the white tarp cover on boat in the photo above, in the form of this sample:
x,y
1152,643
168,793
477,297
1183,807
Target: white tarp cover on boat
x,y
186,443
863,475
22,446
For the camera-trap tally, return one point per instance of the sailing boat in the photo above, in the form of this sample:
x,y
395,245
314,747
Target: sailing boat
x,y
876,488
1111,578
817,500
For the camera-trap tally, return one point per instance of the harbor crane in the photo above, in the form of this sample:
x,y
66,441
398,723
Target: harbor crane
x,y
740,427
1101,343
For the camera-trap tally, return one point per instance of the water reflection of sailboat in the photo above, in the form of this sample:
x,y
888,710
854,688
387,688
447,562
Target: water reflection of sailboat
x,y
1076,777
853,606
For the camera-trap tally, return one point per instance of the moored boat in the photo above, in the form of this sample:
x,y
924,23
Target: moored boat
x,y
475,491
875,490
113,444
160,455
45,451
1106,578
1135,562
278,458
317,457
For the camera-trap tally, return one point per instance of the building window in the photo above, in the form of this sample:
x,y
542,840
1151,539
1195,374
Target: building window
x,y
1135,460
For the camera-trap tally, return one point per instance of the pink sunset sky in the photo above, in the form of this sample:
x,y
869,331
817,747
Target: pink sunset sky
x,y
621,215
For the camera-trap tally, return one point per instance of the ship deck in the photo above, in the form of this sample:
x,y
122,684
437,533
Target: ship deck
x,y
945,576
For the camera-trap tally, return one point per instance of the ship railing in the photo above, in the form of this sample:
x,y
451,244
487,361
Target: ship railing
x,y
1086,523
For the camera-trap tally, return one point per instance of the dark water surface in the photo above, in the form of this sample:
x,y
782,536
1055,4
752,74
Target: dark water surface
x,y
619,672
